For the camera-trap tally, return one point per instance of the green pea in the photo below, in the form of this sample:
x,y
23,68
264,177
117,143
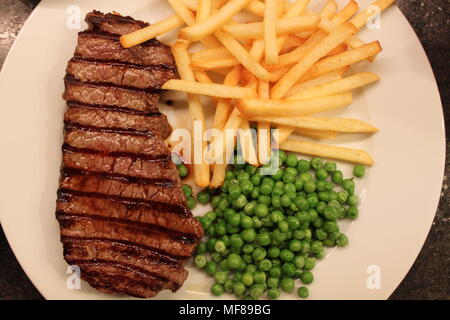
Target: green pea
x,y
276,216
352,213
288,269
217,289
276,201
292,171
247,248
307,277
303,166
257,222
251,268
273,252
220,246
272,282
273,293
279,236
248,235
261,210
310,186
269,181
229,175
282,155
283,226
358,171
292,222
330,213
305,177
236,241
263,239
321,185
265,188
295,245
316,163
265,265
220,277
287,284
256,180
255,193
286,255
187,190
330,166
249,208
310,263
320,234
259,277
238,288
264,199
246,186
234,191
211,268
200,261
342,240
291,160
277,191
223,204
275,271
299,262
191,203
338,177
331,226
298,184
286,201
259,253
203,197
246,222
228,286
299,234
303,292
348,185
321,174
234,261
353,200
183,171
247,279
256,291
288,177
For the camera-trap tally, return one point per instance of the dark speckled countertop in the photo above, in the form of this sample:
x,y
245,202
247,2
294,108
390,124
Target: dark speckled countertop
x,y
428,278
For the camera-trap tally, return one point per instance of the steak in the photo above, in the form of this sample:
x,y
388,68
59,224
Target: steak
x,y
123,216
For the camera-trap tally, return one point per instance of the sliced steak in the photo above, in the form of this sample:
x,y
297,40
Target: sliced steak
x,y
155,123
112,23
119,74
99,46
120,165
95,94
128,209
122,213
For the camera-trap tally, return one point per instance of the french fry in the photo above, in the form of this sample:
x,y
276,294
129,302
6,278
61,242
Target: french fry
x,y
317,81
255,30
339,49
269,32
215,64
150,32
319,150
337,86
208,89
291,43
224,107
236,49
329,9
210,54
264,136
338,36
286,108
202,77
203,10
201,168
206,27
343,59
326,124
256,7
222,148
361,18
257,49
283,134
247,144
316,134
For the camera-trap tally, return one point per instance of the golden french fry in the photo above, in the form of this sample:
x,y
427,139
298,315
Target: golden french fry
x,y
327,77
338,36
210,54
201,168
222,148
208,89
257,49
340,153
339,49
337,86
255,30
202,77
256,7
283,134
206,27
316,134
269,32
250,108
247,144
329,9
291,43
203,10
238,51
326,124
150,32
346,13
341,60
215,64
263,133
224,107
361,18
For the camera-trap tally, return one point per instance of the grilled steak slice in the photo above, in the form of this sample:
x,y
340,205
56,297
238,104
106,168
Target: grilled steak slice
x,y
113,23
122,214
95,94
98,46
119,165
129,209
155,123
119,74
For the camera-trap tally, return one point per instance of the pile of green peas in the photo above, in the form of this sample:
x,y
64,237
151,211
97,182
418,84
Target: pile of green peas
x,y
266,232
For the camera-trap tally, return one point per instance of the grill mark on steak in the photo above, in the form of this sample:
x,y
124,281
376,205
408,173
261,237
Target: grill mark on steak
x,y
120,74
75,104
164,158
130,202
74,226
120,165
160,182
114,187
101,46
155,124
146,227
90,93
146,214
128,247
110,143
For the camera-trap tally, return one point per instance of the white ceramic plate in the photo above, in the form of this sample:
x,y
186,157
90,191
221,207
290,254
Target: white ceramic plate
x,y
400,193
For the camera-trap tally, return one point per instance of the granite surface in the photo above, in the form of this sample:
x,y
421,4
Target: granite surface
x,y
429,276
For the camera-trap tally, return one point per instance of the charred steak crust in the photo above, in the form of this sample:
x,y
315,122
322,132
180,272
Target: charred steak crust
x,y
122,213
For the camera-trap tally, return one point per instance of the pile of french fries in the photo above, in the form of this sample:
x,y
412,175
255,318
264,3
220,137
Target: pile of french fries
x,y
277,69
